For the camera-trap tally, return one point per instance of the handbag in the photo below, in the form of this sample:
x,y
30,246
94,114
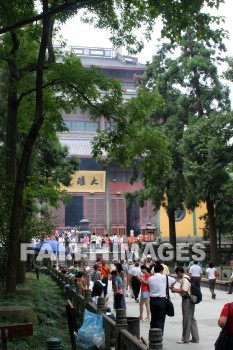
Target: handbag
x,y
221,341
169,306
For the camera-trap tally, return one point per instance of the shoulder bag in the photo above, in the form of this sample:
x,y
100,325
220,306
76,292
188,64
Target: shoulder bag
x,y
169,306
221,342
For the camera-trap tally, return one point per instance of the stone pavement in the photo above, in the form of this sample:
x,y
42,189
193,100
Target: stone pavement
x,y
207,313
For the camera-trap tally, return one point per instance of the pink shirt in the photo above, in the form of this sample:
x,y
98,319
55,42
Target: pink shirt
x,y
86,239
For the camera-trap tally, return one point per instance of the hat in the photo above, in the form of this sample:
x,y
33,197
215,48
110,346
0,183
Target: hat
x,y
108,311
148,256
130,261
100,282
103,284
96,266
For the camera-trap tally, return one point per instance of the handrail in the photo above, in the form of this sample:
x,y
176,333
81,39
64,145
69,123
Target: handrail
x,y
124,338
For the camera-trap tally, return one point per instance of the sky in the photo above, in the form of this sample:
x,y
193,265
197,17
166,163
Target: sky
x,y
79,34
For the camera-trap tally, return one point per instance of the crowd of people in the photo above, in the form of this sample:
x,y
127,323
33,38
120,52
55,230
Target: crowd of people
x,y
146,281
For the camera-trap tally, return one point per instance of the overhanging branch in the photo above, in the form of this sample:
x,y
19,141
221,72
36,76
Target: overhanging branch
x,y
74,5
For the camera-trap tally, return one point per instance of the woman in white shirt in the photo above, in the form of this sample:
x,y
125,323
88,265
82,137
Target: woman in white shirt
x,y
211,274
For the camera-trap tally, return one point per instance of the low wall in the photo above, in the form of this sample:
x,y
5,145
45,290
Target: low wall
x,y
116,333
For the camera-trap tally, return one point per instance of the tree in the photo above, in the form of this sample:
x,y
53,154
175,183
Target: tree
x,y
35,69
162,76
207,154
65,85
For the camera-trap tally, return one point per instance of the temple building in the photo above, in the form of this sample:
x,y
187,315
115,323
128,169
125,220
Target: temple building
x,y
98,194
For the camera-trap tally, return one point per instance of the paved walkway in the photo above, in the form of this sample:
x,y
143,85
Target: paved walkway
x,y
207,313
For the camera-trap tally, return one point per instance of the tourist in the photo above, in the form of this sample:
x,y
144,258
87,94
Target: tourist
x,y
226,317
119,299
107,242
105,271
86,241
136,284
93,241
211,274
73,269
120,270
115,243
195,274
96,274
145,293
87,273
157,286
97,291
98,242
189,322
149,262
131,232
80,279
120,243
66,241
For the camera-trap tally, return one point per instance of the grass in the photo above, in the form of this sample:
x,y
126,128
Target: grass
x,y
48,302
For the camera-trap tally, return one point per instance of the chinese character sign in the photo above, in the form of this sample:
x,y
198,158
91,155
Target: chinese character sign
x,y
88,181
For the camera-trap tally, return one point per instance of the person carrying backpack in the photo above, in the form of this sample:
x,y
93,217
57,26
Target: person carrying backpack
x,y
188,308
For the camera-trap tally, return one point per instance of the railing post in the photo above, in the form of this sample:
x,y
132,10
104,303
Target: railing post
x,y
79,306
67,286
53,343
79,290
101,305
155,339
87,296
121,323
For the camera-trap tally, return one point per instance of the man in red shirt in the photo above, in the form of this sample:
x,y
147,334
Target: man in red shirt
x,y
227,316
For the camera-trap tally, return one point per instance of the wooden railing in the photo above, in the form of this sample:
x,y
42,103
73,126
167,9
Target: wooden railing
x,y
116,333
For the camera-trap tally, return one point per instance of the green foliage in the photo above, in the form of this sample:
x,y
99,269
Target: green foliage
x,y
208,151
133,138
48,303
229,73
124,17
224,205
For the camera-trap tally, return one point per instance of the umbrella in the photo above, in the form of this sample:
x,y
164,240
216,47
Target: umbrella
x,y
50,246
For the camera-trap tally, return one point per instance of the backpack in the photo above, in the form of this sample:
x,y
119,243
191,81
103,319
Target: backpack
x,y
196,296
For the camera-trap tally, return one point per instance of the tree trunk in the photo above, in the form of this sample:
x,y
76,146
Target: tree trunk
x,y
12,112
214,254
16,214
172,231
21,272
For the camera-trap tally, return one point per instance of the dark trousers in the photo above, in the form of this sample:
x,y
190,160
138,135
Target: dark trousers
x,y
196,281
119,301
158,312
105,280
229,342
212,285
136,285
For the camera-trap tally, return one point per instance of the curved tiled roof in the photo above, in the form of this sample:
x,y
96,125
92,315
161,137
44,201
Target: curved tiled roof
x,y
78,145
103,62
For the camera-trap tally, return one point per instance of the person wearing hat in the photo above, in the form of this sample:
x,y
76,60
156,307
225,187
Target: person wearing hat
x,y
110,314
97,291
149,261
96,274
